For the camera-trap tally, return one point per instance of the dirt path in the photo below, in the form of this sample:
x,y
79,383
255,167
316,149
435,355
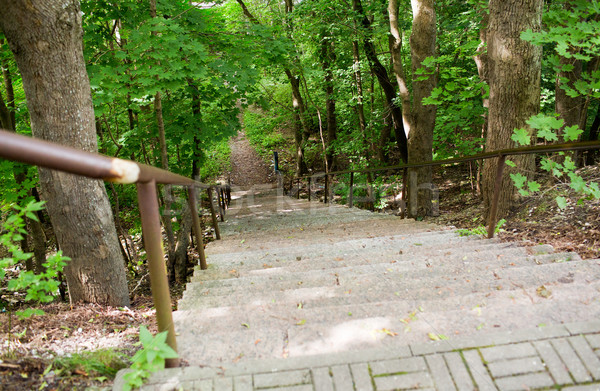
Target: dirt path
x,y
247,167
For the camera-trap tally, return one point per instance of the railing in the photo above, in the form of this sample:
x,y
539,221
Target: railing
x,y
53,156
500,154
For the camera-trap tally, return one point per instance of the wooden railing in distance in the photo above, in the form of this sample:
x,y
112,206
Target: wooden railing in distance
x,y
500,154
92,165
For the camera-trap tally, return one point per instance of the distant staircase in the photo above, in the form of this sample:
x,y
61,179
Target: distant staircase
x,y
295,278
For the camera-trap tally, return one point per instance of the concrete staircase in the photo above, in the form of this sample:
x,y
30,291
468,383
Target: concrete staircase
x,y
294,278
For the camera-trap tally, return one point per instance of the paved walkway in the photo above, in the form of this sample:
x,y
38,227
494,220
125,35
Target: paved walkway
x,y
302,296
565,357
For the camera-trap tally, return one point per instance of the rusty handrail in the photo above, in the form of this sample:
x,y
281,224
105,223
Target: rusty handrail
x,y
500,154
92,165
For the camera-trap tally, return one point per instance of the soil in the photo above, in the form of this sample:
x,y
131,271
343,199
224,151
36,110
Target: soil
x,y
247,167
536,218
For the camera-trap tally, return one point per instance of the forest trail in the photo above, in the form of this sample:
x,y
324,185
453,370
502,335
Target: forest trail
x,y
312,296
247,167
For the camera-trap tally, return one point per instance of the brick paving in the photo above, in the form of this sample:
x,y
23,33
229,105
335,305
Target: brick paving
x,y
545,361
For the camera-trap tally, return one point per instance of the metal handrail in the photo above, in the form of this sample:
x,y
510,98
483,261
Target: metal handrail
x,y
500,154
92,165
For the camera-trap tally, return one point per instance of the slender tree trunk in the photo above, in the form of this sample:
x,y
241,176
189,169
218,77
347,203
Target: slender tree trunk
x,y
481,61
327,57
384,81
514,75
46,39
360,111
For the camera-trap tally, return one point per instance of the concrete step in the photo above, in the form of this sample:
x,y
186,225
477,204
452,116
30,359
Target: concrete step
x,y
323,272
299,332
391,285
288,248
275,265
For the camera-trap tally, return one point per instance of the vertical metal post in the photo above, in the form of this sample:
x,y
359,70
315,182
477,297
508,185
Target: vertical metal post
x,y
213,215
193,202
148,203
276,160
351,195
497,190
298,184
220,204
309,190
223,200
326,195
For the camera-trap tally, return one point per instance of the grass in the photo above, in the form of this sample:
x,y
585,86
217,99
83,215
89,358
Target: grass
x,y
102,364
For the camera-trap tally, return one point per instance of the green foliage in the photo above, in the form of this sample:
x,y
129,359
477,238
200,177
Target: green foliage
x,y
481,230
574,34
41,287
102,364
149,359
549,128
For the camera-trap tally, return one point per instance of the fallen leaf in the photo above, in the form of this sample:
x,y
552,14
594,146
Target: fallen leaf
x,y
436,337
388,332
544,292
301,322
246,325
256,342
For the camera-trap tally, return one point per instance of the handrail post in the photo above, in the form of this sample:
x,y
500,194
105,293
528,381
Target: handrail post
x,y
220,204
193,202
309,190
148,203
326,194
223,200
298,184
351,195
497,189
213,215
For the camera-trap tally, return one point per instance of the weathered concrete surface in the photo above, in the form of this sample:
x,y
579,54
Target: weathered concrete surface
x,y
301,295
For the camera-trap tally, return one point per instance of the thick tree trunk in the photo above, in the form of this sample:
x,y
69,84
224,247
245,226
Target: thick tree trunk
x,y
420,139
384,81
46,38
514,78
419,119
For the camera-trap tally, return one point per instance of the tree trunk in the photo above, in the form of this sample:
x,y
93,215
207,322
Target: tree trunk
x,y
327,56
384,81
481,61
418,119
514,78
360,111
46,39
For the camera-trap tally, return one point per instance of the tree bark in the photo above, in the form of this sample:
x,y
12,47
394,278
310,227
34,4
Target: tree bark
x,y
46,39
327,57
418,119
384,81
514,78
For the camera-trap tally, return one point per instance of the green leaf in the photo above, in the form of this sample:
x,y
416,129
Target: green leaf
x,y
521,136
519,179
547,134
571,133
533,186
561,202
510,163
